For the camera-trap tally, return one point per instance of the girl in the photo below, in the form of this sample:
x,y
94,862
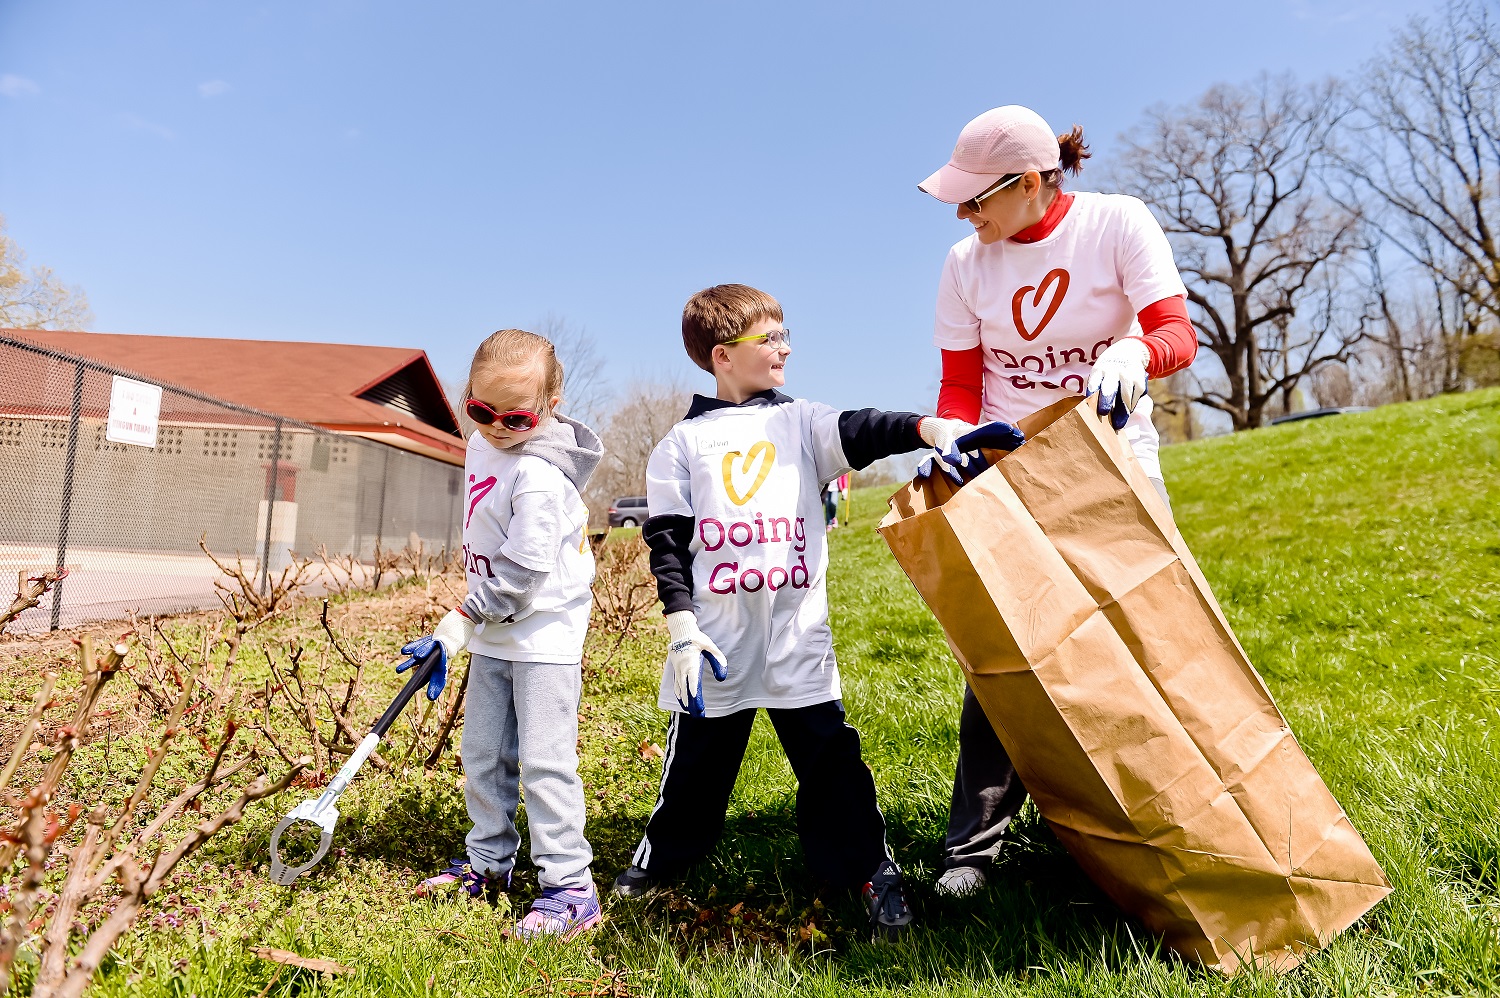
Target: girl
x,y
529,571
1054,294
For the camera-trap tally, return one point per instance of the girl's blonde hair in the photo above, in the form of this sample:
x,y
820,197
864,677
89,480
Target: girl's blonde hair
x,y
515,348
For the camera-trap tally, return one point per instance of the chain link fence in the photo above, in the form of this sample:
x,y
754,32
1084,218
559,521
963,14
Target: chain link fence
x,y
125,520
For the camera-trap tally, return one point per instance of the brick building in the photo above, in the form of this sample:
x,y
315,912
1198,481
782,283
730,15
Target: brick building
x,y
311,445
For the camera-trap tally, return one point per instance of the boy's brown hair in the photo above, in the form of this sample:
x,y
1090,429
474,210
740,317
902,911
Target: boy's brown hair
x,y
516,348
720,313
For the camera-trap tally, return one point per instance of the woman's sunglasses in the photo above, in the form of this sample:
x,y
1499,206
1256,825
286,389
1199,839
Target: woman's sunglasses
x,y
973,203
518,420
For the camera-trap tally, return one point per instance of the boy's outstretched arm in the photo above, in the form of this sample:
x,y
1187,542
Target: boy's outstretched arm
x,y
867,435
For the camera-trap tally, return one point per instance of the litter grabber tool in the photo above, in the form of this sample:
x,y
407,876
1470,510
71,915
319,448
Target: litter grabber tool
x,y
323,811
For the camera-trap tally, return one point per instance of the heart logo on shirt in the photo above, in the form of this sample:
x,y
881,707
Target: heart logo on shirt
x,y
763,451
477,492
1058,277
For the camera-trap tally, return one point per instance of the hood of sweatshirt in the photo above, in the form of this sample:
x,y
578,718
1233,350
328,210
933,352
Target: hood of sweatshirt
x,y
569,446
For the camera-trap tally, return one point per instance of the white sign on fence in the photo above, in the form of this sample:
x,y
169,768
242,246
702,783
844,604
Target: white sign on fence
x,y
134,407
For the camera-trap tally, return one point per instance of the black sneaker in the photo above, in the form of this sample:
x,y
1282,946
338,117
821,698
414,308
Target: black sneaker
x,y
889,914
634,882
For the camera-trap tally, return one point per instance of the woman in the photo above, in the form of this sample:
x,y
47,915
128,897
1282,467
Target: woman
x,y
1054,294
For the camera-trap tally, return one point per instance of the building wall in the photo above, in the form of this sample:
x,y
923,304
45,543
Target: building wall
x,y
213,480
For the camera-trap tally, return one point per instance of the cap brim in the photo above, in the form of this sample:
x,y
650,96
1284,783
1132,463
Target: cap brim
x,y
952,185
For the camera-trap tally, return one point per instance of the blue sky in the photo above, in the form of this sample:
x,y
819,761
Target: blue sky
x,y
420,175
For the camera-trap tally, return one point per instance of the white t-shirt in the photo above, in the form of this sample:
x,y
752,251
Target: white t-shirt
x,y
552,627
1045,311
752,478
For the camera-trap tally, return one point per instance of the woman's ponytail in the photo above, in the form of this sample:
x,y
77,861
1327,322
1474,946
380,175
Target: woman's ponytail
x,y
1074,152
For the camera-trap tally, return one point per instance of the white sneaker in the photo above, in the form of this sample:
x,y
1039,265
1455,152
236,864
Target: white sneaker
x,y
961,881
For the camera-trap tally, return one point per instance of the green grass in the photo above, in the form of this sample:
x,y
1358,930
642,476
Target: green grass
x,y
1357,557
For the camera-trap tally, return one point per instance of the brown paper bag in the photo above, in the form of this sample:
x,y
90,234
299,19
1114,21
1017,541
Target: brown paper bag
x,y
1132,715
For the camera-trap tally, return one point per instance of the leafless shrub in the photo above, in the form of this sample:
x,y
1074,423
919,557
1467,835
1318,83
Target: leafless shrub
x,y
249,605
386,563
624,590
415,561
29,593
112,851
252,602
300,691
452,714
341,572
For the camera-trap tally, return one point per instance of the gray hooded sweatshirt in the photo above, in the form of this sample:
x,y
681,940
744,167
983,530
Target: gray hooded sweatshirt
x,y
573,449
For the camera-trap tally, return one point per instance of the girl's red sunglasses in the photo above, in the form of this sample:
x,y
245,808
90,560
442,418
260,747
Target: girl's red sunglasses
x,y
518,420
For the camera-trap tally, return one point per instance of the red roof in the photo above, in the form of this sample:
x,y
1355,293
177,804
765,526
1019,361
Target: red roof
x,y
318,383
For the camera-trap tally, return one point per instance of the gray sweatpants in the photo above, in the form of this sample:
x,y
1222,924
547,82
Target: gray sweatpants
x,y
521,730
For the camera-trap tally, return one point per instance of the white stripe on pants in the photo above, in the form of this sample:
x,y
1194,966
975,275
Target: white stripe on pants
x,y
643,851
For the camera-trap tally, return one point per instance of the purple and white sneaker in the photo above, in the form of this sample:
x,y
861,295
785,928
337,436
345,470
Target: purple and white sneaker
x,y
461,878
561,913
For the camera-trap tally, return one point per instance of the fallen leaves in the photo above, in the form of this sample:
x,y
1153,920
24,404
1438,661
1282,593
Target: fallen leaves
x,y
290,959
739,926
650,750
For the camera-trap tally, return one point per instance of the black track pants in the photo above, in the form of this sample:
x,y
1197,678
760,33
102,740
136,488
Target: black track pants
x,y
838,821
987,793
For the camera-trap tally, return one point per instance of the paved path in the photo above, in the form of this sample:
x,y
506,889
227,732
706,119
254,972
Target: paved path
x,y
108,585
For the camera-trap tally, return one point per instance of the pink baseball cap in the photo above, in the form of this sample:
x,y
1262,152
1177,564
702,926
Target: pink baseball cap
x,y
1000,142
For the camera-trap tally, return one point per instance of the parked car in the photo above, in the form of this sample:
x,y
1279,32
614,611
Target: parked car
x,y
1333,410
628,511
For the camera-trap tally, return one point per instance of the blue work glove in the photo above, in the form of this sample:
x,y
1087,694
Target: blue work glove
x,y
451,637
689,651
949,462
1119,379
964,458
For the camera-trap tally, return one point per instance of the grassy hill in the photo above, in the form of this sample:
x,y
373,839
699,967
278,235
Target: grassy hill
x,y
1358,558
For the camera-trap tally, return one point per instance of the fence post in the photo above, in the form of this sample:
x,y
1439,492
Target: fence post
x,y
271,490
67,492
385,473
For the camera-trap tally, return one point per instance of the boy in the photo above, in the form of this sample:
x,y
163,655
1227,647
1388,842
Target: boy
x,y
735,492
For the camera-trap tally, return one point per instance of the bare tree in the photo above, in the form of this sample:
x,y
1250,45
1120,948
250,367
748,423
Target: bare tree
x,y
585,385
1408,353
642,415
1235,181
1424,151
1173,414
34,299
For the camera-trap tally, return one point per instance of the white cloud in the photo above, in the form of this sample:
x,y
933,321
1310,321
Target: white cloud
x,y
12,85
213,88
136,123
